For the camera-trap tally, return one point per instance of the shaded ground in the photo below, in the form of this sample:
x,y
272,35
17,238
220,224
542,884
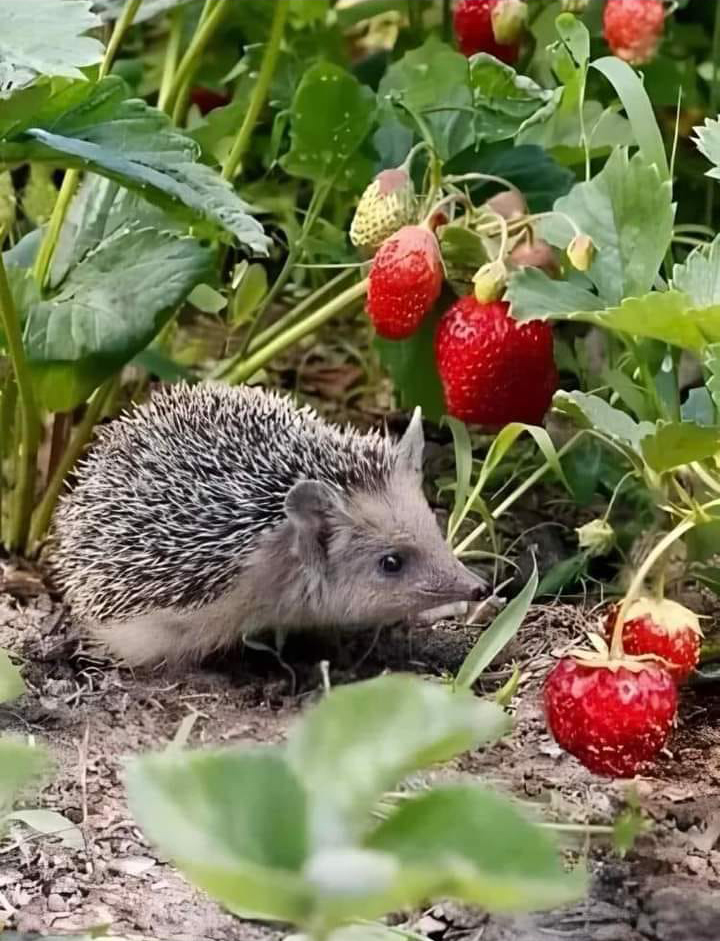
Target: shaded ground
x,y
92,716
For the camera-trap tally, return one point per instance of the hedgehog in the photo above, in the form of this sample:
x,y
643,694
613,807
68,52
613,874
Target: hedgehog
x,y
212,513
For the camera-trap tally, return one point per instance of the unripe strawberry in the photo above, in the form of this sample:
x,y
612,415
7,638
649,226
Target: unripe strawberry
x,y
661,628
405,280
494,369
489,281
479,24
581,252
614,718
387,205
633,28
510,204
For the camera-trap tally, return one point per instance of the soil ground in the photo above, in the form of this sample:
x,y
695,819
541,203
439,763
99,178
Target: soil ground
x,y
92,715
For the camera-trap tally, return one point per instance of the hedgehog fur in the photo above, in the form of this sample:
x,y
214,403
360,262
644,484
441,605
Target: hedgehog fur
x,y
174,498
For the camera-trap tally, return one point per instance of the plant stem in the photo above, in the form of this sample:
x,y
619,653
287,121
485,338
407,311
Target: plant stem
x,y
515,495
30,422
41,268
172,52
210,19
714,90
616,647
248,367
122,25
260,90
74,449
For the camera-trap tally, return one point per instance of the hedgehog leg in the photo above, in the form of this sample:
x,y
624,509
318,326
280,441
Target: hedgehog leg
x,y
145,640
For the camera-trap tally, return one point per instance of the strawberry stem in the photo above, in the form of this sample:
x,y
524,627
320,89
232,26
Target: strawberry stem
x,y
616,647
446,201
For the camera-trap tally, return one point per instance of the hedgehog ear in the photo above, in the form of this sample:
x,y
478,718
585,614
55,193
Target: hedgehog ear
x,y
309,505
411,446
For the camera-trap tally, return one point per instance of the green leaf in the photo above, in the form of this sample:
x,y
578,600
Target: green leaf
x,y
411,365
107,310
699,275
331,115
707,140
699,407
675,444
44,38
363,739
19,763
463,468
109,10
51,823
590,411
498,635
712,363
471,844
251,289
433,83
668,316
506,103
563,574
97,127
627,211
505,440
233,820
639,110
11,681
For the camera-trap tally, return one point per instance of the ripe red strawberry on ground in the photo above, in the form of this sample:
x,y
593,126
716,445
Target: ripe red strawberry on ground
x,y
664,628
473,24
405,280
633,28
494,369
615,721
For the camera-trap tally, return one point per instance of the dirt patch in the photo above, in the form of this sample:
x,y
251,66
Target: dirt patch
x,y
92,716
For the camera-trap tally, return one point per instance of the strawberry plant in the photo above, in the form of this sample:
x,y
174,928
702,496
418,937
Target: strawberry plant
x,y
290,832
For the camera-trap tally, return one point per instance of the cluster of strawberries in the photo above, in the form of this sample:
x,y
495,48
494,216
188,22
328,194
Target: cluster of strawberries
x,y
493,369
632,28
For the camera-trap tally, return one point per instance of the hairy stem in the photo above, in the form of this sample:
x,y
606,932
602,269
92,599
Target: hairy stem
x,y
30,423
260,90
80,437
252,364
122,25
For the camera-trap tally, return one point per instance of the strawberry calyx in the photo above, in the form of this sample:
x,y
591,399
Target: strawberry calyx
x,y
602,658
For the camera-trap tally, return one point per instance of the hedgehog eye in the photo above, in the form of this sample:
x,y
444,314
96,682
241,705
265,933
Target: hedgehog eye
x,y
391,563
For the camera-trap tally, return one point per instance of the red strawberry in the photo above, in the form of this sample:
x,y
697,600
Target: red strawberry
x,y
405,280
614,719
494,370
664,628
478,22
633,28
206,99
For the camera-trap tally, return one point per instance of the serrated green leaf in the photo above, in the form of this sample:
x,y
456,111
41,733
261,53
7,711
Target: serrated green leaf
x,y
712,362
331,115
233,820
44,38
707,140
498,635
590,411
470,844
11,681
108,309
675,444
363,739
699,275
506,103
433,82
97,127
627,211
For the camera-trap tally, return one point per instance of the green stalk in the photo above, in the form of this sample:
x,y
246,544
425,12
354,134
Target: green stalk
x,y
172,54
41,268
30,422
515,495
248,367
210,20
260,90
8,402
80,438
